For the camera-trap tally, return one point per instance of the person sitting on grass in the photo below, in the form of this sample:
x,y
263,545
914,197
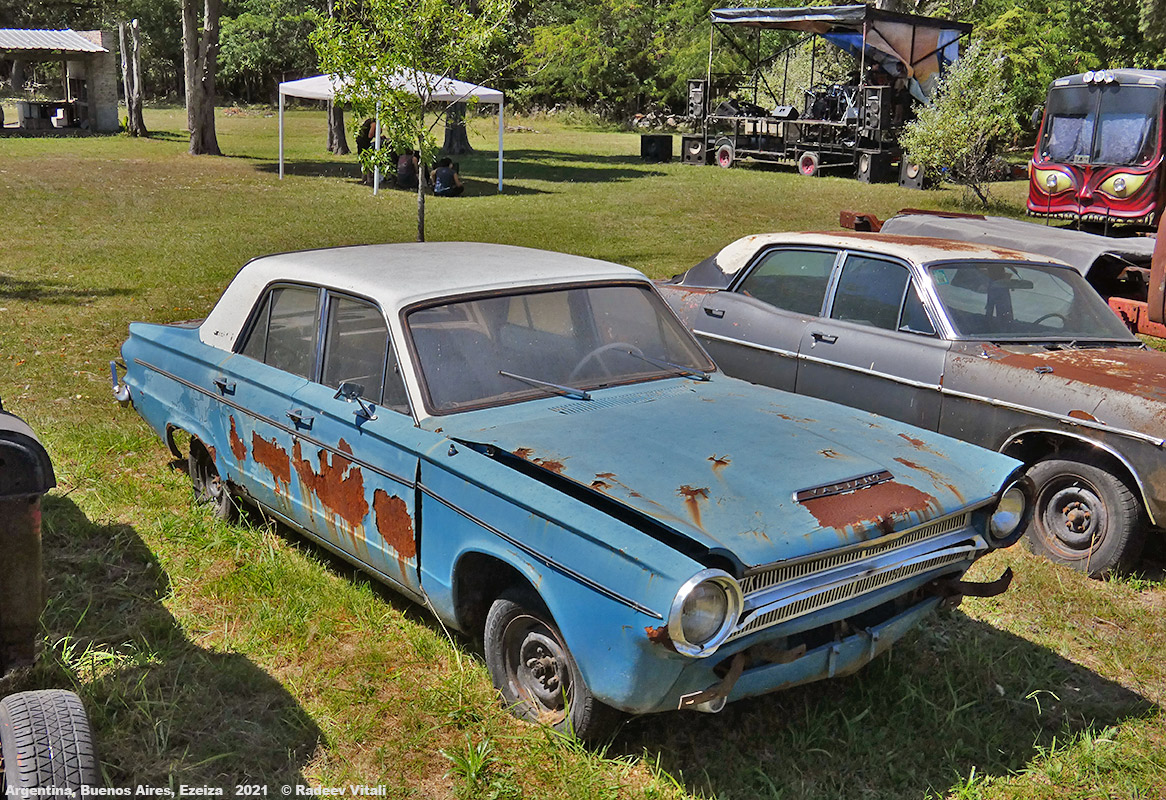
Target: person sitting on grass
x,y
446,182
407,170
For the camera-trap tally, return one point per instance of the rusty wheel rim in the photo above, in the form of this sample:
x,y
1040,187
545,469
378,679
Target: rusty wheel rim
x,y
1073,516
537,667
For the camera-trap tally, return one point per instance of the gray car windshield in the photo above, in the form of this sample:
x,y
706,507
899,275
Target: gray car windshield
x,y
1009,301
495,350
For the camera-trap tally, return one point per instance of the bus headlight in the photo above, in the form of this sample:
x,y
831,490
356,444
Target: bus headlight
x,y
1052,181
1122,185
704,612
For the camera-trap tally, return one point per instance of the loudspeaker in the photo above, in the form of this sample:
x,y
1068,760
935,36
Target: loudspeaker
x,y
873,167
911,176
876,111
693,150
656,147
697,91
785,112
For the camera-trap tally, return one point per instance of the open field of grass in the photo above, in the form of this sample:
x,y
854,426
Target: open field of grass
x,y
212,653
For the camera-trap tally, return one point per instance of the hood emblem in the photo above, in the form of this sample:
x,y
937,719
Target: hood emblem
x,y
841,487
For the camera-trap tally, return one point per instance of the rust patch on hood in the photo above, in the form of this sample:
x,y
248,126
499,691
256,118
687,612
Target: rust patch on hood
x,y
692,498
719,462
879,504
524,453
550,464
394,523
338,484
1130,370
660,636
272,456
237,446
919,444
936,478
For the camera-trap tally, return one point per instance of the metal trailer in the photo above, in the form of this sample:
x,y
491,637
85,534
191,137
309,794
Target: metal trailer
x,y
844,126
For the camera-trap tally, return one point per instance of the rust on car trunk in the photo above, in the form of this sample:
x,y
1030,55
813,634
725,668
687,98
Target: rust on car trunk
x,y
878,504
692,497
338,484
272,456
394,523
237,446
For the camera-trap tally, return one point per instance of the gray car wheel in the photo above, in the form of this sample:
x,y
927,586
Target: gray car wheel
x,y
1086,517
45,742
209,487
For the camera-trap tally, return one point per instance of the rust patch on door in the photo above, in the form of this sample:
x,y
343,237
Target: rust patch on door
x,y
272,456
338,484
394,523
692,498
719,462
237,446
872,505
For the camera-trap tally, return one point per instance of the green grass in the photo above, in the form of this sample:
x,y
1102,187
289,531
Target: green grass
x,y
223,653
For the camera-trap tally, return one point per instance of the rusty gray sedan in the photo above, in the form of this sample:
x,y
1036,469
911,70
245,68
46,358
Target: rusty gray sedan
x,y
534,447
993,346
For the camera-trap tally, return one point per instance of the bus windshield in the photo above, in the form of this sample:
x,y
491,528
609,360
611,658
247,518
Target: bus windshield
x,y
1101,124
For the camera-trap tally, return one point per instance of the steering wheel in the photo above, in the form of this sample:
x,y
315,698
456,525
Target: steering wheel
x,y
597,352
1043,317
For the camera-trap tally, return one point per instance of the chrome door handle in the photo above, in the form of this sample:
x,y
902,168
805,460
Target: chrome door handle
x,y
300,419
818,336
225,386
714,312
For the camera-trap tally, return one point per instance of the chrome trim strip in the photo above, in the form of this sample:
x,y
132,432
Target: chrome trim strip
x,y
743,343
541,558
286,429
872,372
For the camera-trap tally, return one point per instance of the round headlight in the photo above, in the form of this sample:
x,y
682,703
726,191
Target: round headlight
x,y
704,612
1051,181
1119,184
1088,76
1004,525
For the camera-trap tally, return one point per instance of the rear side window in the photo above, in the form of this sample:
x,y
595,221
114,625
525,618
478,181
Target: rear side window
x,y
794,280
870,292
355,346
284,330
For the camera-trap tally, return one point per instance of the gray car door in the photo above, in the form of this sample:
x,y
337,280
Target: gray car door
x,y
752,330
875,348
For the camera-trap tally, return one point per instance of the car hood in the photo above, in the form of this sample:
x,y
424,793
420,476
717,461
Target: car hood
x,y
1121,387
721,462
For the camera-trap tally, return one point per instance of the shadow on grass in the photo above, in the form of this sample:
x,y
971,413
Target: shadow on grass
x,y
156,699
955,696
47,291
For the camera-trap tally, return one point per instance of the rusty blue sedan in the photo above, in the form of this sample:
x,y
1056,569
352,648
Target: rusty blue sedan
x,y
534,447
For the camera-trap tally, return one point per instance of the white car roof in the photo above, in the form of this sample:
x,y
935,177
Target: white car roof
x,y
398,275
918,249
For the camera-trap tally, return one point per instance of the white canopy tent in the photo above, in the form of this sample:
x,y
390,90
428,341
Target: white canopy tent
x,y
433,89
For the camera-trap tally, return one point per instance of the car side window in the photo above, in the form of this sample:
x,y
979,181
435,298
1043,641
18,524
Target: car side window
x,y
870,292
355,345
794,280
914,318
284,332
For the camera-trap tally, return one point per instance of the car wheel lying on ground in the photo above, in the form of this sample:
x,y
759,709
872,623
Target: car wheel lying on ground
x,y
532,445
996,347
44,735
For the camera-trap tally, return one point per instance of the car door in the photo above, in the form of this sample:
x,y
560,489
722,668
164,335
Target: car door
x,y
752,331
876,346
257,385
356,454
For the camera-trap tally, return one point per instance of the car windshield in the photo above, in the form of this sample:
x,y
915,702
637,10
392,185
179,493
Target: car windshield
x,y
1006,300
503,349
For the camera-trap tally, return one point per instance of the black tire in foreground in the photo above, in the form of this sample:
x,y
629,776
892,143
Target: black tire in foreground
x,y
536,673
45,742
1086,517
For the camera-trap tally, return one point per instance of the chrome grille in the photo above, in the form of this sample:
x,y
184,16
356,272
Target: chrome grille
x,y
788,572
838,594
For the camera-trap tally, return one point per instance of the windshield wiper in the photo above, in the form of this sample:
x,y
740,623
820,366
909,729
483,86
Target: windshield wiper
x,y
566,391
690,372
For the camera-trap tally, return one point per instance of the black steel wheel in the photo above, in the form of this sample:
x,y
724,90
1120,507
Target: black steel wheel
x,y
209,487
535,672
1085,517
808,163
45,742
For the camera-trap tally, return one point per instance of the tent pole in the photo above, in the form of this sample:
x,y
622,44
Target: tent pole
x,y
281,135
376,170
500,129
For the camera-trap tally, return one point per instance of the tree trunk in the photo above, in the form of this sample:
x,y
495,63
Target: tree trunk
x,y
422,177
189,56
337,141
132,79
456,141
200,106
16,77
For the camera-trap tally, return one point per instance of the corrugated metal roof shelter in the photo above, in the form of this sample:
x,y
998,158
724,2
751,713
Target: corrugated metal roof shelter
x,y
89,90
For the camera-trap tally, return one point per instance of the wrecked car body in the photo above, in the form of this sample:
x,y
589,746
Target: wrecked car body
x,y
484,428
989,345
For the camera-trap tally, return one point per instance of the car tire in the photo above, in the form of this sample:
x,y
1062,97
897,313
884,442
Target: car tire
x,y
209,488
45,742
1085,516
809,163
519,632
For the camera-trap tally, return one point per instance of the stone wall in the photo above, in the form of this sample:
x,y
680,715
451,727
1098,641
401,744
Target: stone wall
x,y
101,76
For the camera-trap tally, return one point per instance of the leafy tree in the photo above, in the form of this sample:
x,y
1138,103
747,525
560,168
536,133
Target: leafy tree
x,y
261,40
385,48
970,114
